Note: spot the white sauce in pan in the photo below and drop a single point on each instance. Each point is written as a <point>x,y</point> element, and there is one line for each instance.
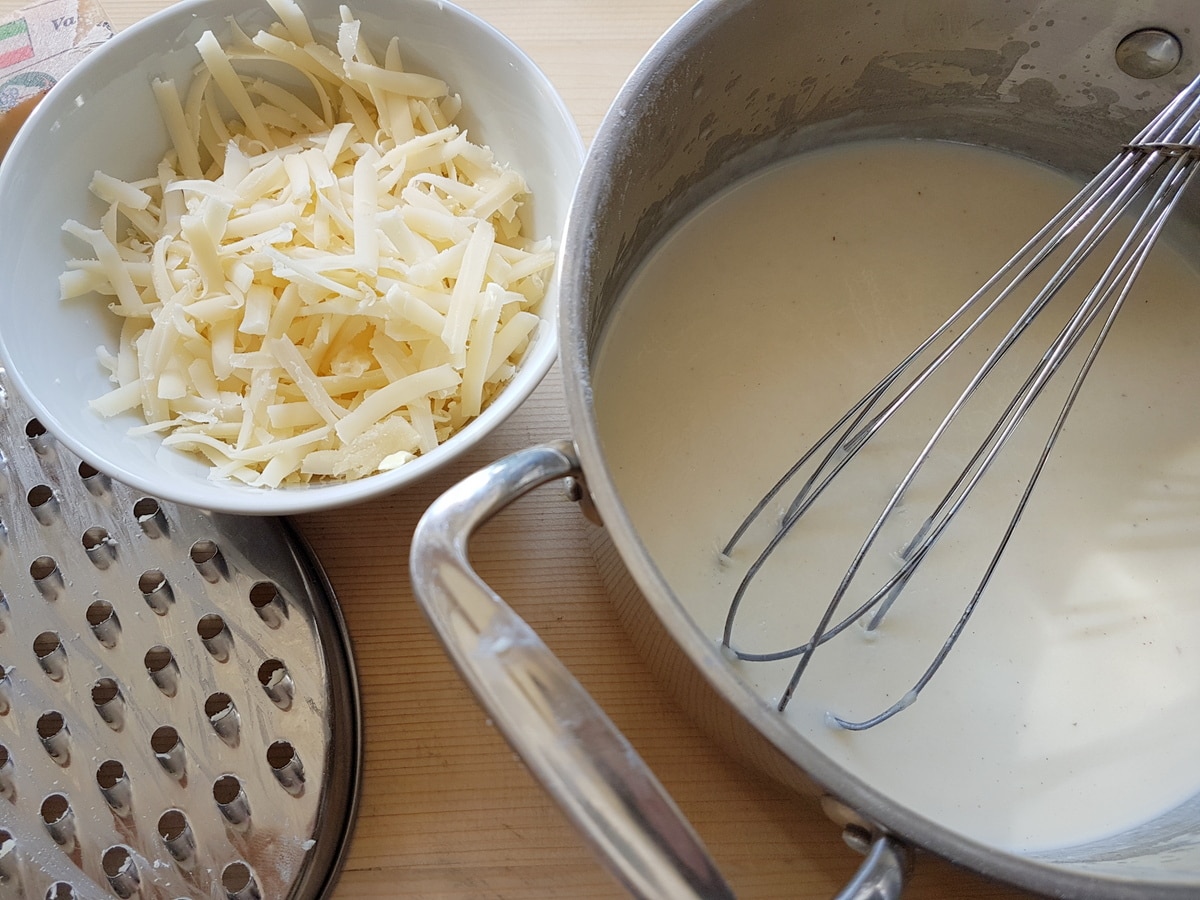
<point>1068,710</point>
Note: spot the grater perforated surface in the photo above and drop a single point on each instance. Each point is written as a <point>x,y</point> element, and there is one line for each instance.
<point>179,712</point>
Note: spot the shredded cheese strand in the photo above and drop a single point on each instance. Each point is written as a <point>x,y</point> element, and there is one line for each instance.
<point>311,292</point>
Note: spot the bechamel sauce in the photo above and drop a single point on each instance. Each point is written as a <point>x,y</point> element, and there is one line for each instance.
<point>1067,712</point>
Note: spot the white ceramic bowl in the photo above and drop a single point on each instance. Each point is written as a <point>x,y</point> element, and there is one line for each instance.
<point>103,116</point>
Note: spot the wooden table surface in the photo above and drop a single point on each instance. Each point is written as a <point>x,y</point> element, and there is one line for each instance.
<point>447,810</point>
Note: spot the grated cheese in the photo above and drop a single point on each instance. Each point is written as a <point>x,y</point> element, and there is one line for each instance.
<point>311,292</point>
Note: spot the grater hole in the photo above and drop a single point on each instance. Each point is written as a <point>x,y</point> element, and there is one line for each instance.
<point>45,645</point>
<point>95,482</point>
<point>53,732</point>
<point>60,890</point>
<point>172,824</point>
<point>114,787</point>
<point>223,716</point>
<point>209,562</point>
<point>39,438</point>
<point>204,551</point>
<point>47,578</point>
<point>286,767</point>
<point>164,740</point>
<point>43,567</point>
<point>55,808</point>
<point>105,691</point>
<point>145,508</point>
<point>168,750</point>
<point>280,754</point>
<point>6,690</point>
<point>232,802</point>
<point>7,787</point>
<point>59,819</point>
<point>100,612</point>
<point>226,789</point>
<point>51,725</point>
<point>10,860</point>
<point>95,538</point>
<point>117,863</point>
<point>39,496</point>
<point>217,705</point>
<point>156,591</point>
<point>150,517</point>
<point>271,671</point>
<point>110,773</point>
<point>238,880</point>
<point>177,837</point>
<point>152,580</point>
<point>115,860</point>
<point>210,626</point>
<point>158,658</point>
<point>263,593</point>
<point>106,696</point>
<point>236,876</point>
<point>277,682</point>
<point>162,669</point>
<point>216,637</point>
<point>99,546</point>
<point>267,601</point>
<point>51,655</point>
<point>105,625</point>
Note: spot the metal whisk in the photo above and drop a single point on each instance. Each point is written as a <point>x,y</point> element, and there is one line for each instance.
<point>1138,189</point>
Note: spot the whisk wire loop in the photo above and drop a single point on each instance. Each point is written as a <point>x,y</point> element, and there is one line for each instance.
<point>1120,285</point>
<point>1171,142</point>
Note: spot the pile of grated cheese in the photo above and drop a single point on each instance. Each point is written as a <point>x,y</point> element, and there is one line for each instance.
<point>311,290</point>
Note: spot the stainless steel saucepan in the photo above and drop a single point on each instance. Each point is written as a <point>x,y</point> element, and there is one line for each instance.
<point>734,86</point>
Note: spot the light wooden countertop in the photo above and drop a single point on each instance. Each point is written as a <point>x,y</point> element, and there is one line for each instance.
<point>447,810</point>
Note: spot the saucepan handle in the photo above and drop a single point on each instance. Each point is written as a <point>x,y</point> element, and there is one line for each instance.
<point>573,749</point>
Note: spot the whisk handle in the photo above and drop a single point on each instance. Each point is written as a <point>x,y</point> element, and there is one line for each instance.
<point>565,739</point>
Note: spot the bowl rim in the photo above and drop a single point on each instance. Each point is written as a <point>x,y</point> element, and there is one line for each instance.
<point>230,496</point>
